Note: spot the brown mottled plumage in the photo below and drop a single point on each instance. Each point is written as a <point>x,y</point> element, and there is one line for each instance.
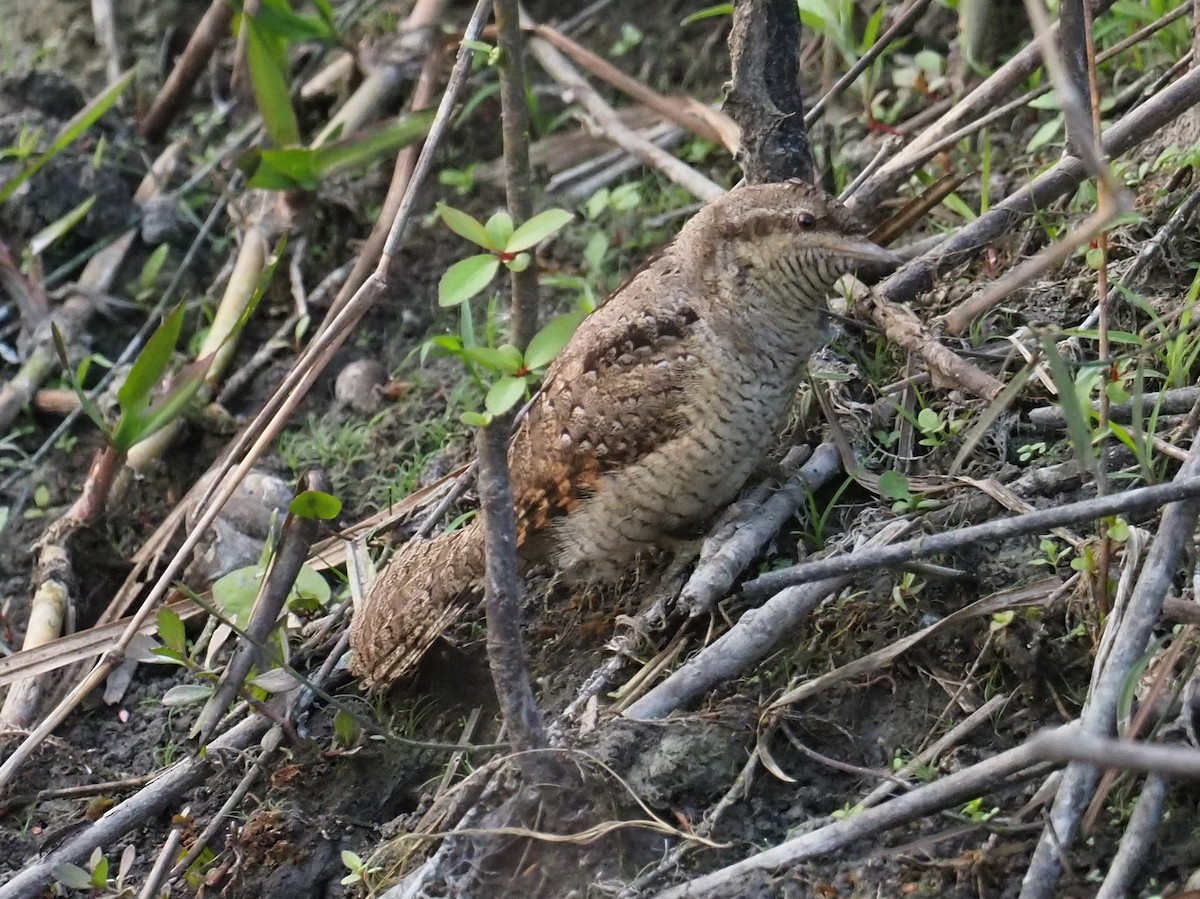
<point>653,416</point>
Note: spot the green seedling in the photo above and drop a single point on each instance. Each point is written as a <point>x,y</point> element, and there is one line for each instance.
<point>509,371</point>
<point>141,415</point>
<point>360,871</point>
<point>95,880</point>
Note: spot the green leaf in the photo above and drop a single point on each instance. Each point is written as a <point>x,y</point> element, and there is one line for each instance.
<point>1044,134</point>
<point>186,694</point>
<point>77,125</point>
<point>928,421</point>
<point>721,9</point>
<point>346,731</point>
<point>549,341</point>
<point>894,485</point>
<point>150,365</point>
<point>60,227</point>
<point>73,877</point>
<point>138,425</point>
<point>170,629</point>
<point>281,20</point>
<point>100,873</point>
<point>500,227</point>
<point>289,168</point>
<point>504,394</point>
<point>315,504</point>
<point>310,591</point>
<point>466,278</point>
<point>537,229</point>
<point>153,265</point>
<point>1068,400</point>
<point>277,680</point>
<point>266,55</point>
<point>170,655</point>
<point>505,359</point>
<point>466,226</point>
<point>476,419</point>
<point>364,147</point>
<point>235,593</point>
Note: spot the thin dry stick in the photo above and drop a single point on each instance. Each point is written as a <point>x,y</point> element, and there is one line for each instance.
<point>1064,176</point>
<point>959,319</point>
<point>1138,841</point>
<point>1132,755</point>
<point>191,64</point>
<point>1019,763</point>
<point>611,126</point>
<point>697,118</point>
<point>254,440</point>
<point>1184,487</point>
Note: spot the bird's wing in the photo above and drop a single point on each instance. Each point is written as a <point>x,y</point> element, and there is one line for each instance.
<point>617,392</point>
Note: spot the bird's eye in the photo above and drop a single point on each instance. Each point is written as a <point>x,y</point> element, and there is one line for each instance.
<point>806,220</point>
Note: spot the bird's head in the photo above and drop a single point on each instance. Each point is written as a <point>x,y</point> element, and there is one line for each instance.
<point>789,239</point>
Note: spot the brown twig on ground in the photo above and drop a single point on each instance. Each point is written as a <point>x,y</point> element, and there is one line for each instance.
<point>764,95</point>
<point>213,28</point>
<point>690,114</point>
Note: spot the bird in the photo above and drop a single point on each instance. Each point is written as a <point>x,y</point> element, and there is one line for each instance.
<point>665,400</point>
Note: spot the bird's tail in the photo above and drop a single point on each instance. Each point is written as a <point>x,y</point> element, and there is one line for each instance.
<point>420,593</point>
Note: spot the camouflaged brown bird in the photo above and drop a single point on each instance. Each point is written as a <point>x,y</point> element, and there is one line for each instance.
<point>650,420</point>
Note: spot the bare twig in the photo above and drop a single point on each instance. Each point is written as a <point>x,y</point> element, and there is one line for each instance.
<point>756,633</point>
<point>1183,488</point>
<point>213,28</point>
<point>609,123</point>
<point>1016,764</point>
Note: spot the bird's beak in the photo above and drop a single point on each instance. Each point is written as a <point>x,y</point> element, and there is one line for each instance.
<point>866,259</point>
<point>866,254</point>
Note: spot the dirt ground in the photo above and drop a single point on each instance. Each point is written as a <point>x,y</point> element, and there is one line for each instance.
<point>381,793</point>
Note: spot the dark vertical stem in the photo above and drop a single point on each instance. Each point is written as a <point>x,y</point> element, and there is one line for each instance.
<point>502,583</point>
<point>764,94</point>
<point>515,113</point>
<point>502,587</point>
